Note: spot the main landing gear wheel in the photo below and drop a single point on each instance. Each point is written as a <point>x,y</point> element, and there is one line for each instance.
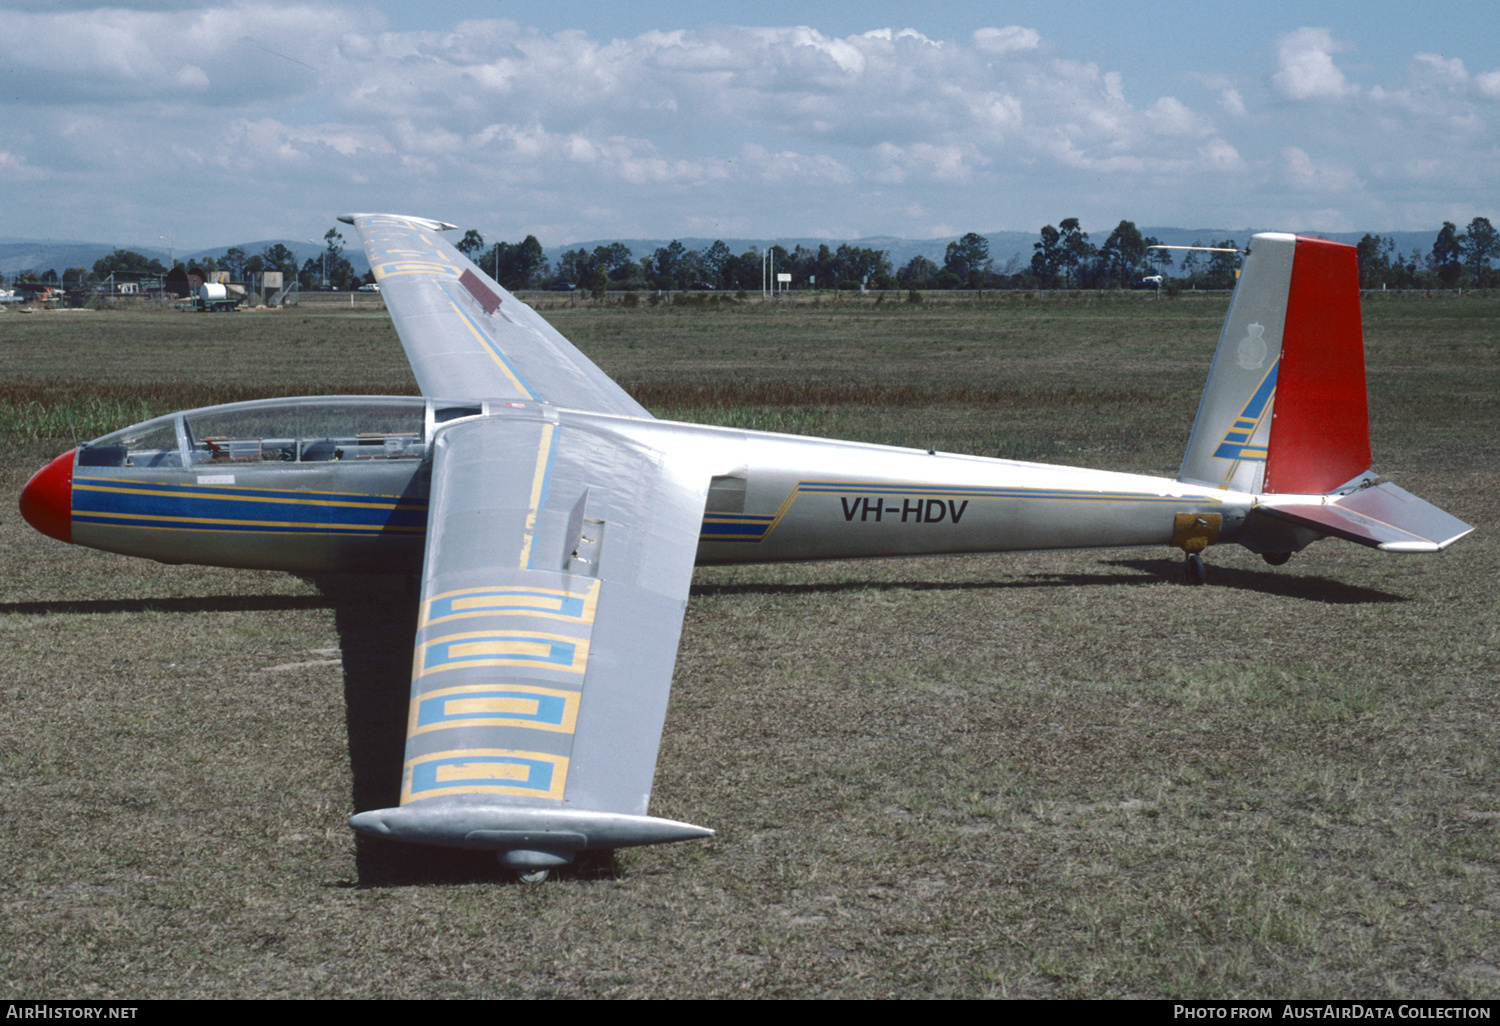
<point>1276,558</point>
<point>1196,572</point>
<point>532,876</point>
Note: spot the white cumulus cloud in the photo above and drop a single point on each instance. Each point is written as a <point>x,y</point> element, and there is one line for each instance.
<point>299,109</point>
<point>1305,67</point>
<point>1011,39</point>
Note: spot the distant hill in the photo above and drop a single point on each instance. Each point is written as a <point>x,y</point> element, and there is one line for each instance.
<point>20,255</point>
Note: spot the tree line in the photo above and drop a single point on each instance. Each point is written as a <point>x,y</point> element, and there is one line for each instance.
<point>1457,259</point>
<point>674,266</point>
<point>1062,257</point>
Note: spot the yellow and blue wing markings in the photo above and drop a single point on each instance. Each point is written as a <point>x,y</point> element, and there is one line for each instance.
<point>122,503</point>
<point>484,771</point>
<point>1237,444</point>
<point>541,482</point>
<point>513,600</point>
<point>532,649</point>
<point>412,265</point>
<point>394,261</point>
<point>494,705</point>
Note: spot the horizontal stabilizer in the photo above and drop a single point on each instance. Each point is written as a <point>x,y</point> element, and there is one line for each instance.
<point>505,827</point>
<point>1384,517</point>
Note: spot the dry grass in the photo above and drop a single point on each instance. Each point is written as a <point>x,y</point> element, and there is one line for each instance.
<point>1037,775</point>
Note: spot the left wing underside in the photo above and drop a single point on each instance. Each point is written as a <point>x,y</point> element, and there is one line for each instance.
<point>557,572</point>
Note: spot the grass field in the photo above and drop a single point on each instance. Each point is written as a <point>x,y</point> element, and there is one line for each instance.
<point>1055,774</point>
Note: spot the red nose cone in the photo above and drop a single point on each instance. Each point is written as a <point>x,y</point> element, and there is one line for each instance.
<point>47,499</point>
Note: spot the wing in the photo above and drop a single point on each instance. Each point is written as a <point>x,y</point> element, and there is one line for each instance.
<point>468,338</point>
<point>559,556</point>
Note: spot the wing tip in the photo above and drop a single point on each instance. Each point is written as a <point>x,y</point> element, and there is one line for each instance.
<point>502,828</point>
<point>421,222</point>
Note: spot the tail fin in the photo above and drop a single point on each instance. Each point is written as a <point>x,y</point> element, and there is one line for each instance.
<point>1285,415</point>
<point>1284,410</point>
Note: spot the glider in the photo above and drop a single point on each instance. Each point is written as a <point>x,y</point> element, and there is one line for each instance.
<point>555,524</point>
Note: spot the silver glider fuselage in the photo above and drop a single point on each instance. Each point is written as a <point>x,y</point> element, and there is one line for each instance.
<point>771,497</point>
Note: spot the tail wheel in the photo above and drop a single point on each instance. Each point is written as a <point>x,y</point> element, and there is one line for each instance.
<point>1196,572</point>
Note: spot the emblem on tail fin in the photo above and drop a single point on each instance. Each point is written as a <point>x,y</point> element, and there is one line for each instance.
<point>1251,352</point>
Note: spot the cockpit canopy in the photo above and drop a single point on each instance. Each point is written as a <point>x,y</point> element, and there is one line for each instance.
<point>317,429</point>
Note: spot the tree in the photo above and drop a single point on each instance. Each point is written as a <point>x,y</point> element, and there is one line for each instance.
<point>1446,258</point>
<point>521,266</point>
<point>471,243</point>
<point>127,260</point>
<point>801,264</point>
<point>966,257</point>
<point>233,261</point>
<point>1481,243</point>
<point>1373,257</point>
<point>716,260</point>
<point>1123,251</point>
<point>1222,265</point>
<point>1190,262</point>
<point>1046,262</point>
<point>1159,259</point>
<point>329,269</point>
<point>918,273</point>
<point>575,265</point>
<point>743,271</point>
<point>278,258</point>
<point>1075,246</point>
<point>667,265</point>
<point>860,263</point>
<point>615,260</point>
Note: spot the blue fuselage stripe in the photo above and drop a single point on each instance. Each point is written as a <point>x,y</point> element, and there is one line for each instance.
<point>216,511</point>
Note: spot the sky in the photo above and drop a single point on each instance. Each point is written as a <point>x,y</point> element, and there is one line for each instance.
<point>189,125</point>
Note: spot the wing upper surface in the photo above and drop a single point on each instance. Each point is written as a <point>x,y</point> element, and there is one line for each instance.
<point>468,338</point>
<point>557,571</point>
